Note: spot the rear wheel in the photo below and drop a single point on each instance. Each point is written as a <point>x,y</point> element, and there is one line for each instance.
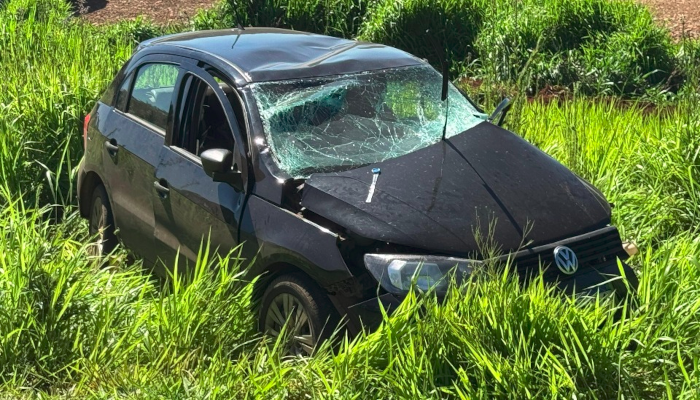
<point>300,304</point>
<point>101,223</point>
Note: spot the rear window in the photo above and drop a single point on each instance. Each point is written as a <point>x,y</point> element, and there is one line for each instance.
<point>153,92</point>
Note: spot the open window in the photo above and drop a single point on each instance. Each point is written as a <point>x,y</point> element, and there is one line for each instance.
<point>204,124</point>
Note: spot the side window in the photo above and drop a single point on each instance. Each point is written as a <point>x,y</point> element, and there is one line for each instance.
<point>204,124</point>
<point>152,93</point>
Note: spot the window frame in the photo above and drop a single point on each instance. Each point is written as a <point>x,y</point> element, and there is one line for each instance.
<point>109,97</point>
<point>183,109</point>
<point>129,74</point>
<point>134,74</point>
<point>129,81</point>
<point>244,125</point>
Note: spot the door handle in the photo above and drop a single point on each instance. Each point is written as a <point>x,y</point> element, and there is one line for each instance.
<point>162,188</point>
<point>111,146</point>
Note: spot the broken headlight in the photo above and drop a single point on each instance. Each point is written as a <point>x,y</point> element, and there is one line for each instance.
<point>397,273</point>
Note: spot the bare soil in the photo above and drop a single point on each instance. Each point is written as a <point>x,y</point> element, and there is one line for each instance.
<point>159,11</point>
<point>682,17</point>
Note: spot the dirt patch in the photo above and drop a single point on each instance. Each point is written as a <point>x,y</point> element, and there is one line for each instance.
<point>682,17</point>
<point>159,11</point>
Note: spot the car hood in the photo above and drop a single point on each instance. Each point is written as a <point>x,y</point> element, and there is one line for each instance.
<point>484,182</point>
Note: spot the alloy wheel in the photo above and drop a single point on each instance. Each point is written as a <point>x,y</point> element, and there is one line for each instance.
<point>287,309</point>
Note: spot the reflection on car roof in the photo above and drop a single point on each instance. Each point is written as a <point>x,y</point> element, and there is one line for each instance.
<point>269,54</point>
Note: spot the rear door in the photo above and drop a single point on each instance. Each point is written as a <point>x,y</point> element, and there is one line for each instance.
<point>190,208</point>
<point>136,132</point>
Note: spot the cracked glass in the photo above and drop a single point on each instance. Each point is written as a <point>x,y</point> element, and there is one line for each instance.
<point>338,123</point>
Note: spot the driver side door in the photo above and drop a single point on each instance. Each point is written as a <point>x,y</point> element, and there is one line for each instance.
<point>190,208</point>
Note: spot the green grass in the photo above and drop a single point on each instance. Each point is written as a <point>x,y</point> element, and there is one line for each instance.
<point>330,17</point>
<point>426,27</point>
<point>599,46</point>
<point>591,47</point>
<point>53,69</point>
<point>69,328</point>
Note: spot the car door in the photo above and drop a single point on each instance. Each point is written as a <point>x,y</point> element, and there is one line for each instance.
<point>190,208</point>
<point>136,133</point>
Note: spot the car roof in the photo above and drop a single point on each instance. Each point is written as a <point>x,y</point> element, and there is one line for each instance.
<point>270,54</point>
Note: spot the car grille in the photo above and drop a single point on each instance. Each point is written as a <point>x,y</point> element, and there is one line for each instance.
<point>592,249</point>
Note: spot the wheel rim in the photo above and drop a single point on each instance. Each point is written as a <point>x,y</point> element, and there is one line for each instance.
<point>286,307</point>
<point>97,226</point>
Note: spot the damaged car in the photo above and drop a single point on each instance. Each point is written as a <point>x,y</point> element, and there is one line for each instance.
<point>350,173</point>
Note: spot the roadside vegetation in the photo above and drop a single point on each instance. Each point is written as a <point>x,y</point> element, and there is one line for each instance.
<point>72,327</point>
<point>590,46</point>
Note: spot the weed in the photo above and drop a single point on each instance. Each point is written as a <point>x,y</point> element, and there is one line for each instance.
<point>69,328</point>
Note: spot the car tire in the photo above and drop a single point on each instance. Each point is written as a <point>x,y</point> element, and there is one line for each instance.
<point>101,223</point>
<point>297,298</point>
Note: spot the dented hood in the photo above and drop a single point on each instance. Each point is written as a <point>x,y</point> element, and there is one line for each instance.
<point>483,180</point>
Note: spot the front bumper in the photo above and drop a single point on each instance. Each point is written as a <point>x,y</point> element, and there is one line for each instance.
<point>597,251</point>
<point>601,279</point>
<point>370,313</point>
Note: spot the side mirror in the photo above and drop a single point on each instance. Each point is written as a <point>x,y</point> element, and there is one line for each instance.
<point>499,114</point>
<point>218,164</point>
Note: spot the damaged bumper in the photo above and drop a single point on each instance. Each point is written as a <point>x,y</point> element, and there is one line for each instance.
<point>602,280</point>
<point>598,272</point>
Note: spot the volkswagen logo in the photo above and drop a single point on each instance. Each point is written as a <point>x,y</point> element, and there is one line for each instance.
<point>566,260</point>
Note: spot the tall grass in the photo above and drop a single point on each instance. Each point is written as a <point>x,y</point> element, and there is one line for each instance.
<point>330,17</point>
<point>70,327</point>
<point>588,46</point>
<point>428,28</point>
<point>645,159</point>
<point>53,67</point>
<point>600,46</point>
<point>65,319</point>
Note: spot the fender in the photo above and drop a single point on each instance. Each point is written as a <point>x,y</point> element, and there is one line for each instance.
<point>273,235</point>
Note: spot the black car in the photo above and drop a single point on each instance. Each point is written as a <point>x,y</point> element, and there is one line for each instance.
<point>336,164</point>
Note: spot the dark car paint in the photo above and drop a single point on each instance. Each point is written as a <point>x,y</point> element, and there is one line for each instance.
<point>194,207</point>
<point>437,197</point>
<point>269,54</point>
<point>128,171</point>
<point>275,236</point>
<point>283,237</point>
<point>212,205</point>
<point>189,206</point>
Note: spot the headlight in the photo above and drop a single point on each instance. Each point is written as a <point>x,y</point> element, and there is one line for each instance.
<point>396,273</point>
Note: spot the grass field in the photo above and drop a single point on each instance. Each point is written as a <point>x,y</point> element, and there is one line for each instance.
<point>69,328</point>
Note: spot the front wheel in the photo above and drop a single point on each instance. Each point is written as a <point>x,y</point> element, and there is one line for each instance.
<point>300,304</point>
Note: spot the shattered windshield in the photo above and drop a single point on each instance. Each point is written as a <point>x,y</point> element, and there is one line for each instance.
<point>336,123</point>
